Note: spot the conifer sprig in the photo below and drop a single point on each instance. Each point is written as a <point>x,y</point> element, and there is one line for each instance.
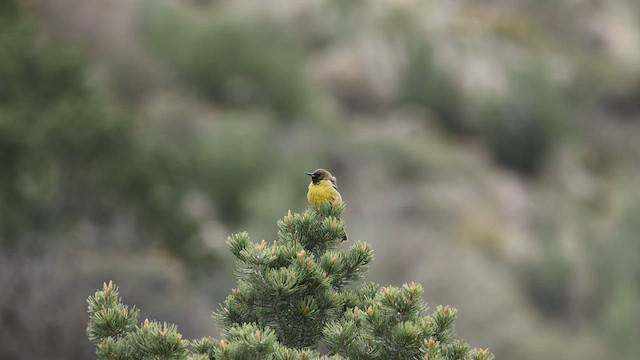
<point>108,316</point>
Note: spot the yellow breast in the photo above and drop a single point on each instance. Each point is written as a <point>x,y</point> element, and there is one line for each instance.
<point>321,193</point>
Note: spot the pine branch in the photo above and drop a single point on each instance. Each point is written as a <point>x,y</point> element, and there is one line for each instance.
<point>109,318</point>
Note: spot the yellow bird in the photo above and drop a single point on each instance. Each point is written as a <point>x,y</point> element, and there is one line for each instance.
<point>323,188</point>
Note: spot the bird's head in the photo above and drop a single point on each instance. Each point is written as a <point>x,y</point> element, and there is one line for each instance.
<point>321,174</point>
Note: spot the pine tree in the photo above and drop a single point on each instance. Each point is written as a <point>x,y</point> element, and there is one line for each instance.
<point>292,296</point>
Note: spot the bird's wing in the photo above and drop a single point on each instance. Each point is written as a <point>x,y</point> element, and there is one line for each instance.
<point>334,182</point>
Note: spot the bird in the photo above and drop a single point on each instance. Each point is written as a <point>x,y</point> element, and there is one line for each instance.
<point>323,188</point>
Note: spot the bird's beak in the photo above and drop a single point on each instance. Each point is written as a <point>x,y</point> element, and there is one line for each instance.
<point>310,174</point>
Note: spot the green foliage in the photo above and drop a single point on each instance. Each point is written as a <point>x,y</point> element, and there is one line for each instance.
<point>162,340</point>
<point>291,285</point>
<point>552,280</point>
<point>621,319</point>
<point>109,317</point>
<point>113,331</point>
<point>523,128</point>
<point>618,268</point>
<point>112,327</point>
<point>9,10</point>
<point>229,60</point>
<point>615,90</point>
<point>232,159</point>
<point>291,297</point>
<point>65,158</point>
<point>42,97</point>
<point>547,282</point>
<point>424,82</point>
<point>394,325</point>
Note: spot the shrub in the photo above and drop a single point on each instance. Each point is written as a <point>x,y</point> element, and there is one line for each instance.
<point>231,61</point>
<point>292,295</point>
<point>523,128</point>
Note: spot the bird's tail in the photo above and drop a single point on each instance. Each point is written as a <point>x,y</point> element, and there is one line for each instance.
<point>344,237</point>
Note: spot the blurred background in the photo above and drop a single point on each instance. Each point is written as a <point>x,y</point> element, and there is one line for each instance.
<point>489,150</point>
